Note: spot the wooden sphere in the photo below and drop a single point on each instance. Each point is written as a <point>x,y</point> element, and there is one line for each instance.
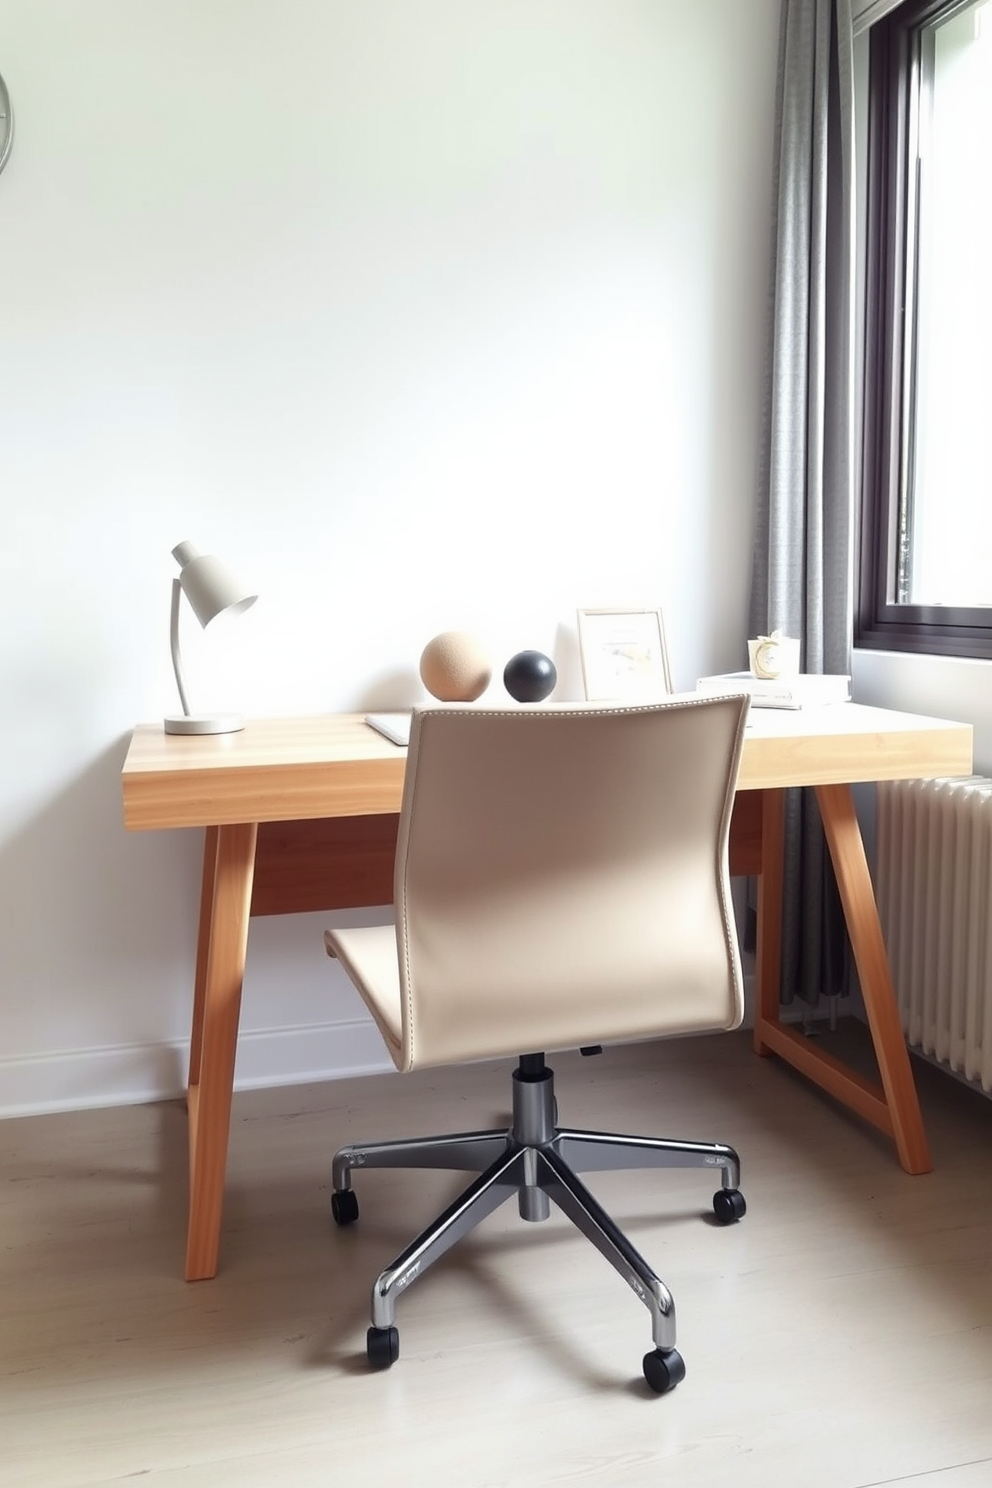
<point>454,667</point>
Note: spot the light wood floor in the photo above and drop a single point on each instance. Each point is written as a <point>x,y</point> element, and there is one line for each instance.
<point>840,1336</point>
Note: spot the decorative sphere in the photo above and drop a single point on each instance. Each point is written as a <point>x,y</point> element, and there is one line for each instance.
<point>529,676</point>
<point>454,667</point>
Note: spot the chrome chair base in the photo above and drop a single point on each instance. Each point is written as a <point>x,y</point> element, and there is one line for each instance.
<point>539,1162</point>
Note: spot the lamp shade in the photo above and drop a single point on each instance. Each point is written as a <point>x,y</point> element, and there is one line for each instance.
<point>210,588</point>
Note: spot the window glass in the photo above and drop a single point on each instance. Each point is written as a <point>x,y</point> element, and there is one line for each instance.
<point>949,491</point>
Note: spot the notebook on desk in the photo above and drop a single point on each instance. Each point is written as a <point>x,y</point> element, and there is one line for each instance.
<point>393,726</point>
<point>806,690</point>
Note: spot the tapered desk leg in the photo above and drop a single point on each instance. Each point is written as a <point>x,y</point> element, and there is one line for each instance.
<point>229,863</point>
<point>840,824</point>
<point>202,953</point>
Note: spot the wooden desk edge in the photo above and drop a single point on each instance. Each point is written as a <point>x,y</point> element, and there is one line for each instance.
<point>252,785</point>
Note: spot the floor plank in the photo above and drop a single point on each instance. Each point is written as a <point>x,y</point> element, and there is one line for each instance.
<point>840,1336</point>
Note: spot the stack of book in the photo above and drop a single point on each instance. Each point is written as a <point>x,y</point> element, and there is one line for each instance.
<point>805,690</point>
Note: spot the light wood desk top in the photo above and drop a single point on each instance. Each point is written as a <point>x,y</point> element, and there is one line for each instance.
<point>300,814</point>
<point>286,769</point>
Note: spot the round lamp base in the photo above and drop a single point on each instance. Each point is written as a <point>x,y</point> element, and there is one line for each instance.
<point>219,723</point>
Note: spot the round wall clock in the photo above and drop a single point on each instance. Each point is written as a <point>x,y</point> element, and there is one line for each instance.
<point>6,124</point>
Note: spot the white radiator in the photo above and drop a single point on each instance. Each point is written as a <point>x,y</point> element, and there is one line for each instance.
<point>934,890</point>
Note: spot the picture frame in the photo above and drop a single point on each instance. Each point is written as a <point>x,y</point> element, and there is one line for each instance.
<point>624,655</point>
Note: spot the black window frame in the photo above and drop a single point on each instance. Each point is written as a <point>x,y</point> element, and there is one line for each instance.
<point>881,620</point>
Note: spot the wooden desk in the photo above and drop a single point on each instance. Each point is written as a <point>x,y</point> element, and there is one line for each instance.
<point>300,814</point>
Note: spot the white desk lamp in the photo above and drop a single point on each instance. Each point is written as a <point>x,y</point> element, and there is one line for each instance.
<point>211,590</point>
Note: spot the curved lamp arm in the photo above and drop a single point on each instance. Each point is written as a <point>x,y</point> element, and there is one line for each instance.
<point>177,664</point>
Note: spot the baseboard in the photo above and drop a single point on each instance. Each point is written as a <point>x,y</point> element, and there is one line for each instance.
<point>132,1074</point>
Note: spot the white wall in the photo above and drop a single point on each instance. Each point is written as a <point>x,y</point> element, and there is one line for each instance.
<point>938,686</point>
<point>421,313</point>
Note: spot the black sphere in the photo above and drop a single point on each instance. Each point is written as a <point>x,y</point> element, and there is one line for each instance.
<point>529,676</point>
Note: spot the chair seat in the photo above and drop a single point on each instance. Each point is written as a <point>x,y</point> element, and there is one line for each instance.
<point>368,955</point>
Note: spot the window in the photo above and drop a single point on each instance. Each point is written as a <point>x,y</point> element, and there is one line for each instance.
<point>925,560</point>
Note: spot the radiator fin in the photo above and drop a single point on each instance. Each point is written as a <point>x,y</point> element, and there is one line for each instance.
<point>934,889</point>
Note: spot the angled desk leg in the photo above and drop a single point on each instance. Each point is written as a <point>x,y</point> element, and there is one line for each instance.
<point>225,902</point>
<point>893,1107</point>
<point>905,1121</point>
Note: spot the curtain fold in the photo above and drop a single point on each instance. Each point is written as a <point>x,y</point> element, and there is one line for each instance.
<point>802,578</point>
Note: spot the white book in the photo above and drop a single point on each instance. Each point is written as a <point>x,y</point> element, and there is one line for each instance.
<point>807,690</point>
<point>393,726</point>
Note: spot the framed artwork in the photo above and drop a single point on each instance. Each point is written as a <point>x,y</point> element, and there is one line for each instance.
<point>624,655</point>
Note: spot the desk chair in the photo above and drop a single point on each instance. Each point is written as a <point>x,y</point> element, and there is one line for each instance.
<point>561,882</point>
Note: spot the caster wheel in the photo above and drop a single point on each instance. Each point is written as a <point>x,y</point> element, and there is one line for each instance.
<point>382,1346</point>
<point>729,1206</point>
<point>344,1207</point>
<point>664,1370</point>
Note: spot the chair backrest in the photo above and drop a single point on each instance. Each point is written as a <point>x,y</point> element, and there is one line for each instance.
<point>561,876</point>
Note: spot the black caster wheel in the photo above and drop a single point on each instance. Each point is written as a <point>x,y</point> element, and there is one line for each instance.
<point>729,1206</point>
<point>344,1206</point>
<point>664,1369</point>
<point>382,1346</point>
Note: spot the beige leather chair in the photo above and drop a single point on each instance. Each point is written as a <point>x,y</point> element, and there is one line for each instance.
<point>561,882</point>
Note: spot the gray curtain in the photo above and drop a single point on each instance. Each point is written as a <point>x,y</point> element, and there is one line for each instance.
<point>803,566</point>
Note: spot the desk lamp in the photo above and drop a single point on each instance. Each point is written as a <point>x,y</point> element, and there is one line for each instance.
<point>211,590</point>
